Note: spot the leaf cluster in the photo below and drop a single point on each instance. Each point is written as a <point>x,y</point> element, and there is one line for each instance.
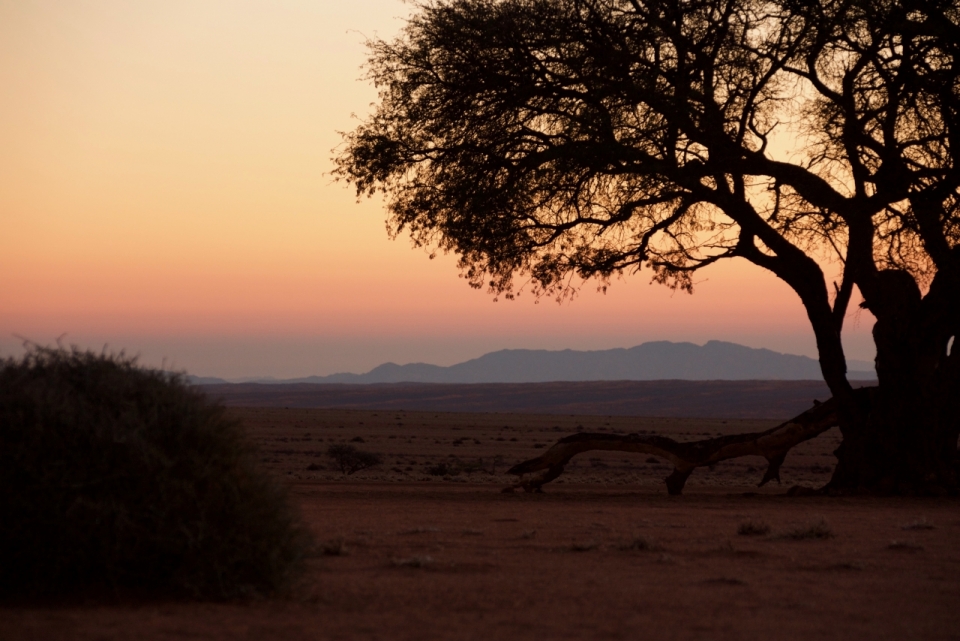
<point>562,139</point>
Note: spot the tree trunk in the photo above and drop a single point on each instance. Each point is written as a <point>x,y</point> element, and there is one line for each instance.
<point>900,437</point>
<point>905,438</point>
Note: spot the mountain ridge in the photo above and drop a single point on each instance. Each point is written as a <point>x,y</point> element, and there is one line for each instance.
<point>655,360</point>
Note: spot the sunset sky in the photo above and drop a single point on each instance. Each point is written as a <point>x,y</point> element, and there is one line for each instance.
<point>165,189</point>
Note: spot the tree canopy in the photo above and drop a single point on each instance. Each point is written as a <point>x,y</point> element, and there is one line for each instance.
<point>550,140</point>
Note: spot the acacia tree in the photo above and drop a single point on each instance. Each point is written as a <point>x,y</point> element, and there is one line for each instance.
<point>550,141</point>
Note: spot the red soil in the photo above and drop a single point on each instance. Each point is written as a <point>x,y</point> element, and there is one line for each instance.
<point>607,554</point>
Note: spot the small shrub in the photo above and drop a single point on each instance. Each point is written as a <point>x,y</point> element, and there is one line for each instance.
<point>414,562</point>
<point>118,477</point>
<point>640,544</point>
<point>442,469</point>
<point>753,528</point>
<point>587,546</point>
<point>818,530</point>
<point>725,580</point>
<point>454,466</point>
<point>497,460</point>
<point>905,546</point>
<point>726,548</point>
<point>351,460</point>
<point>333,547</point>
<point>471,467</point>
<point>419,530</point>
<point>847,566</point>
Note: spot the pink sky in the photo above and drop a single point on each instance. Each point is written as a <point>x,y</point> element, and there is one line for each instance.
<point>166,190</point>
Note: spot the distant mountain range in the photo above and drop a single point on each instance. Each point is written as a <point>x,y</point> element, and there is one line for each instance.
<point>659,360</point>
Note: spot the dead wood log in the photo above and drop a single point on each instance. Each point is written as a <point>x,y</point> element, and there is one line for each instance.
<point>772,444</point>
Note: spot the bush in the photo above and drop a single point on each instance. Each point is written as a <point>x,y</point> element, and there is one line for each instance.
<point>753,528</point>
<point>442,469</point>
<point>453,466</point>
<point>818,530</point>
<point>640,544</point>
<point>113,476</point>
<point>350,459</point>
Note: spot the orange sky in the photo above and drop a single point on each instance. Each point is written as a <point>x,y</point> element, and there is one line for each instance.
<point>165,189</point>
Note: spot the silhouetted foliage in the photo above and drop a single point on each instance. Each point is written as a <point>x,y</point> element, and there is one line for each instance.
<point>115,477</point>
<point>546,141</point>
<point>351,460</point>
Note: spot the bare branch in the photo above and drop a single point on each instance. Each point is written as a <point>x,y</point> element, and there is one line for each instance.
<point>773,445</point>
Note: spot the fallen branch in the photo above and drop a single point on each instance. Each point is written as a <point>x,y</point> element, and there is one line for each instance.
<point>772,444</point>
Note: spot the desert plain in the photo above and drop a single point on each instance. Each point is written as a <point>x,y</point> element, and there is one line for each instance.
<point>426,545</point>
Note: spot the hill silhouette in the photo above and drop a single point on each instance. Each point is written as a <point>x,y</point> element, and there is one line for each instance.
<point>659,360</point>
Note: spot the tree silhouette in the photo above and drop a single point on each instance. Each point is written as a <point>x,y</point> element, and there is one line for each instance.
<point>547,141</point>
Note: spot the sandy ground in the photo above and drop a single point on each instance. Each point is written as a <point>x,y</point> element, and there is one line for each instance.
<point>411,553</point>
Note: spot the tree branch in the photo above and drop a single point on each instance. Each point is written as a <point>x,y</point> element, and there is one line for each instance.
<point>772,444</point>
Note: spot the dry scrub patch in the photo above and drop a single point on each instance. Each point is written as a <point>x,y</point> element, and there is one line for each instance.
<point>479,448</point>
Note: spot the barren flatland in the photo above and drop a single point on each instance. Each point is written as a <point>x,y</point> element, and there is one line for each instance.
<point>425,545</point>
